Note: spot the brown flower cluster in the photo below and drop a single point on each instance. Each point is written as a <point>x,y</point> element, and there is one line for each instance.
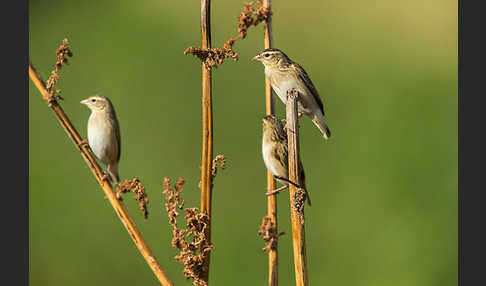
<point>250,16</point>
<point>138,189</point>
<point>213,57</point>
<point>221,159</point>
<point>269,234</point>
<point>62,51</point>
<point>192,242</point>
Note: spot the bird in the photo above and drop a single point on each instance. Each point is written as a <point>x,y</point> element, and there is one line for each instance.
<point>104,134</point>
<point>275,154</point>
<point>284,75</point>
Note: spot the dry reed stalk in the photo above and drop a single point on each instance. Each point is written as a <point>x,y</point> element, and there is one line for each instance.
<point>207,132</point>
<point>117,205</point>
<point>271,200</point>
<point>297,195</point>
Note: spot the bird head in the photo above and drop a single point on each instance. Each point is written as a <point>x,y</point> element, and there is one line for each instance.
<point>97,103</point>
<point>273,129</point>
<point>271,57</point>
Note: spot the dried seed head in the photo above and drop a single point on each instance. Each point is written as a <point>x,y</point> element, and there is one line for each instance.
<point>192,242</point>
<point>269,234</point>
<point>221,159</point>
<point>61,52</point>
<point>138,189</point>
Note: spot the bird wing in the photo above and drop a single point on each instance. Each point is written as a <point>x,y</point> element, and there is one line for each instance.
<point>116,126</point>
<point>302,75</point>
<point>118,139</point>
<point>282,155</point>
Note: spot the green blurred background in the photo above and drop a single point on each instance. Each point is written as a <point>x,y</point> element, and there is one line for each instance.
<point>384,188</point>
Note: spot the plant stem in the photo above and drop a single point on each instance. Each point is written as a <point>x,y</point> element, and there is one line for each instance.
<point>207,128</point>
<point>96,170</point>
<point>296,204</point>
<point>271,200</point>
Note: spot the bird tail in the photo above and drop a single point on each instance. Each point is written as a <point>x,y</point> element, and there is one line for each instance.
<point>308,197</point>
<point>113,172</point>
<point>319,121</point>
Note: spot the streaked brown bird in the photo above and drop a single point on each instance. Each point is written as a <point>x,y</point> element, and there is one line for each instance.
<point>104,134</point>
<point>285,74</point>
<point>275,154</point>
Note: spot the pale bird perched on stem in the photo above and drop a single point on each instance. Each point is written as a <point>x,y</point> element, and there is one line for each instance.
<point>104,134</point>
<point>284,74</point>
<point>275,154</point>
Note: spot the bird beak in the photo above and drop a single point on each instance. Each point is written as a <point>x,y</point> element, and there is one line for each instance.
<point>85,102</point>
<point>257,58</point>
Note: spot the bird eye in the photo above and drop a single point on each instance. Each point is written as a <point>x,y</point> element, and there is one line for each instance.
<point>93,100</point>
<point>266,55</point>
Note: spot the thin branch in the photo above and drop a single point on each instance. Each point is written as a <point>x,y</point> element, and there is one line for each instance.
<point>96,170</point>
<point>297,195</point>
<point>271,200</point>
<point>207,134</point>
